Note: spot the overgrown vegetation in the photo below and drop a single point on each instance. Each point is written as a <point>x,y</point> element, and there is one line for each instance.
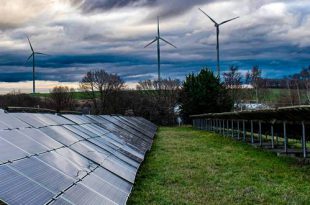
<point>187,166</point>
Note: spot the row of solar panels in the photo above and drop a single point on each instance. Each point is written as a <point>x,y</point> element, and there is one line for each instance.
<point>70,159</point>
<point>294,113</point>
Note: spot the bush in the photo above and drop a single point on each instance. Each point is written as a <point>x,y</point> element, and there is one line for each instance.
<point>18,99</point>
<point>61,98</point>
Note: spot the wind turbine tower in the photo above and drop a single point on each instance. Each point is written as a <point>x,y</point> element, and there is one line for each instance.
<point>157,39</point>
<point>217,26</point>
<point>33,54</point>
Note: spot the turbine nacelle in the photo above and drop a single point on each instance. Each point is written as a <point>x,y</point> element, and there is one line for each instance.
<point>215,23</point>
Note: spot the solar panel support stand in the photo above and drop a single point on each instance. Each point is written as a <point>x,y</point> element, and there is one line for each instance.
<point>203,124</point>
<point>272,137</point>
<point>260,133</point>
<point>209,125</point>
<point>223,127</point>
<point>232,129</point>
<point>285,136</point>
<point>220,127</point>
<point>252,136</point>
<point>227,133</point>
<point>304,142</point>
<point>244,133</point>
<point>214,126</point>
<point>238,127</point>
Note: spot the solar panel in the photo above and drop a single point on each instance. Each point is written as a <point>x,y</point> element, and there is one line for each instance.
<point>41,138</point>
<point>64,165</point>
<point>70,159</point>
<point>21,141</point>
<point>9,152</point>
<point>18,189</point>
<point>29,119</point>
<point>42,173</point>
<point>106,189</point>
<point>110,177</point>
<point>80,194</point>
<point>134,127</point>
<point>11,122</point>
<point>61,135</point>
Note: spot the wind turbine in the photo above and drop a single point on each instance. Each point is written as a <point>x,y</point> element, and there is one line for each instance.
<point>33,65</point>
<point>217,26</point>
<point>157,39</point>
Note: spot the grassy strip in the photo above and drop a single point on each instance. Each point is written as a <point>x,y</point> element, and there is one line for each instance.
<point>187,166</point>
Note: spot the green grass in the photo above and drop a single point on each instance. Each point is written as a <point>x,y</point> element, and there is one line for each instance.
<point>187,166</point>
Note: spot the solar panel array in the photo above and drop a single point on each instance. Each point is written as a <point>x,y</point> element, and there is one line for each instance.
<point>70,159</point>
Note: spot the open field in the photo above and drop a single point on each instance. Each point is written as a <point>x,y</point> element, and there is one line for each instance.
<point>187,166</point>
<point>269,95</point>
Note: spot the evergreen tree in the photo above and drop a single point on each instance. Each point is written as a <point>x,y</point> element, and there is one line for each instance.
<point>203,93</point>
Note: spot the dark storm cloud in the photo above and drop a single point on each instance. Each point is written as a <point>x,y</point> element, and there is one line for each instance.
<point>102,5</point>
<point>163,8</point>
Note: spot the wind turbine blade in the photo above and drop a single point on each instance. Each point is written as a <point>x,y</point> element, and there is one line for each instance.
<point>39,53</point>
<point>158,26</point>
<point>228,20</point>
<point>208,16</point>
<point>30,44</point>
<point>29,57</point>
<point>168,42</point>
<point>151,43</point>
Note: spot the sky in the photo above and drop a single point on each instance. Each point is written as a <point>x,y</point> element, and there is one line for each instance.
<point>83,35</point>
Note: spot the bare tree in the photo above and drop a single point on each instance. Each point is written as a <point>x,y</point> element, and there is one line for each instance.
<point>159,104</point>
<point>232,81</point>
<point>254,78</point>
<point>107,85</point>
<point>305,77</point>
<point>87,85</point>
<point>61,98</point>
<point>296,80</point>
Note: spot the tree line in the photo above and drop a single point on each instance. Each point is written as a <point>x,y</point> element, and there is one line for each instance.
<point>293,89</point>
<point>103,93</point>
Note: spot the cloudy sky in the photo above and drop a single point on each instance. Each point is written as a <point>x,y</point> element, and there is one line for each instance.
<point>80,35</point>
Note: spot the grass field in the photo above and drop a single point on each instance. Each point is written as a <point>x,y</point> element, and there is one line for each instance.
<point>187,166</point>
